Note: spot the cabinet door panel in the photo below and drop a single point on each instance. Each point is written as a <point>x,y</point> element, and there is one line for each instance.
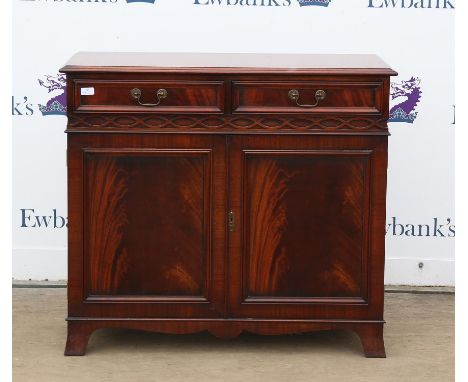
<point>148,225</point>
<point>304,217</point>
<point>304,206</point>
<point>147,222</point>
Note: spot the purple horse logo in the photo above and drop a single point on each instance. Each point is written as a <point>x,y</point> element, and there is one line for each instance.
<point>405,97</point>
<point>57,105</point>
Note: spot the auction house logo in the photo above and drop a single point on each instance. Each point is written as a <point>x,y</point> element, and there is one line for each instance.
<point>417,4</point>
<point>31,219</point>
<point>74,1</point>
<point>264,3</point>
<point>405,97</point>
<point>435,228</point>
<point>57,99</point>
<point>320,3</point>
<point>54,103</point>
<point>92,1</point>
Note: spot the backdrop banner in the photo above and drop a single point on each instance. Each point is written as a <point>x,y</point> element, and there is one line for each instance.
<point>415,37</point>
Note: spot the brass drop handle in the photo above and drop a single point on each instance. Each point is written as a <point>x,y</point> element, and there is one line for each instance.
<point>320,95</point>
<point>136,94</point>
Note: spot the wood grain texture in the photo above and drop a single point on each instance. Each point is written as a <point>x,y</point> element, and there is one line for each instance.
<point>182,96</point>
<point>341,97</point>
<point>370,332</point>
<point>311,238</point>
<point>145,238</point>
<point>304,219</point>
<point>108,216</point>
<point>225,63</point>
<point>150,190</point>
<point>245,124</point>
<point>135,245</point>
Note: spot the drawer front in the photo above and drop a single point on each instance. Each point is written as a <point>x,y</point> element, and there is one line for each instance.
<point>308,97</point>
<point>149,96</point>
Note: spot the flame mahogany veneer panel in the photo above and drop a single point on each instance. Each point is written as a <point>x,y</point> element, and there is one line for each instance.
<point>305,215</point>
<point>145,239</point>
<point>147,222</point>
<point>312,222</point>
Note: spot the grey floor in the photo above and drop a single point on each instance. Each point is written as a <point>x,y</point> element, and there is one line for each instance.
<point>419,338</point>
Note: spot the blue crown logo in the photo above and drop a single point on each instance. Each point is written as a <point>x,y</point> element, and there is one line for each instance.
<point>54,108</point>
<point>320,3</point>
<point>399,115</point>
<point>141,1</point>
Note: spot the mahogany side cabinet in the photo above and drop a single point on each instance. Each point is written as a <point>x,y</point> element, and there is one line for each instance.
<point>226,193</point>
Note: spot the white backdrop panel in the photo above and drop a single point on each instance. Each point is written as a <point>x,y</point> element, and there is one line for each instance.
<point>417,42</point>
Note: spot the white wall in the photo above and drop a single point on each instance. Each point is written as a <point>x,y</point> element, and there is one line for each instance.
<point>417,42</point>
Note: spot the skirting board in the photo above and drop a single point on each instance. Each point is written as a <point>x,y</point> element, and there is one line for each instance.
<point>51,264</point>
<point>32,284</point>
<point>407,271</point>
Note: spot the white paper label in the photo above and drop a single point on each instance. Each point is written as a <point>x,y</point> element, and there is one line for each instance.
<point>87,91</point>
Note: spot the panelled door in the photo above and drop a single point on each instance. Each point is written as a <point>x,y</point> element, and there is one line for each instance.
<point>301,224</point>
<point>150,212</point>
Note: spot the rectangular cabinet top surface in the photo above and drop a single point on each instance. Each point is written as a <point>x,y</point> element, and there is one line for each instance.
<point>242,63</point>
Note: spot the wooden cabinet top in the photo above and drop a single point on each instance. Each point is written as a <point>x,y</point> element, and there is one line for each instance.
<point>235,63</point>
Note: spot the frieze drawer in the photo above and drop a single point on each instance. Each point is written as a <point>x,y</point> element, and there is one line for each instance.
<point>140,96</point>
<point>308,97</point>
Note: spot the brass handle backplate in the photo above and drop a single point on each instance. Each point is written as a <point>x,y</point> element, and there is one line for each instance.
<point>160,94</point>
<point>320,95</point>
